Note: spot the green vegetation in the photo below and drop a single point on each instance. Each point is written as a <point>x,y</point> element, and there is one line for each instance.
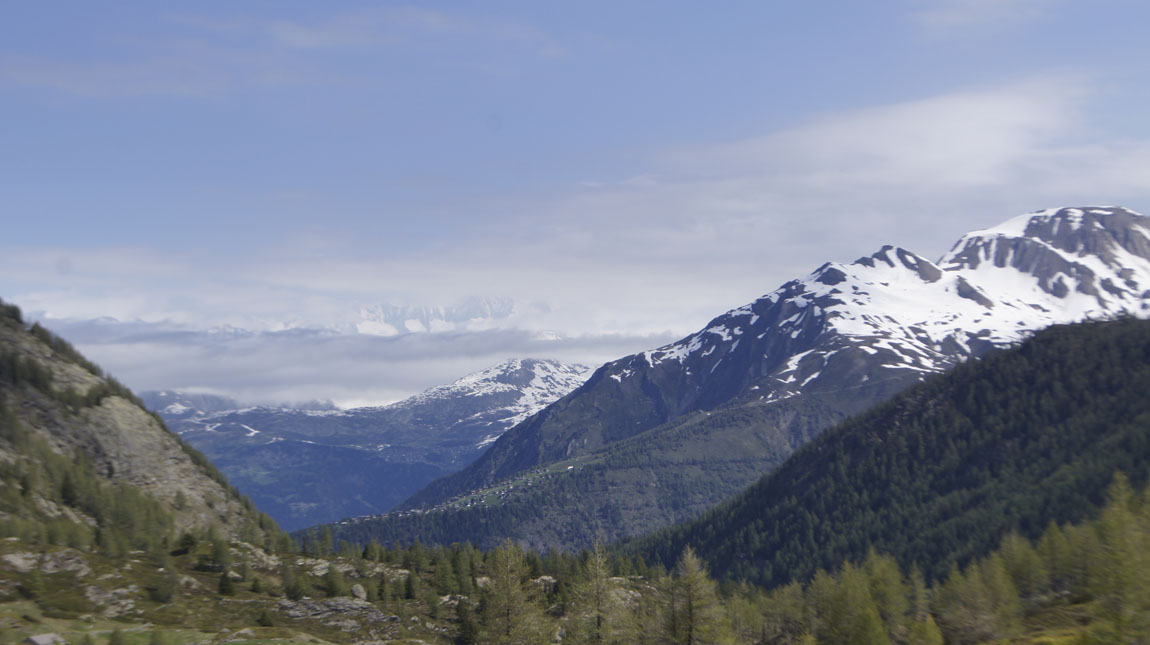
<point>980,507</point>
<point>938,475</point>
<point>124,518</point>
<point>665,475</point>
<point>1076,584</point>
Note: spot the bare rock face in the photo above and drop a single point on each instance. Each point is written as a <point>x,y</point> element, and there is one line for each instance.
<point>115,602</point>
<point>350,615</point>
<point>66,561</point>
<point>119,438</point>
<point>358,592</point>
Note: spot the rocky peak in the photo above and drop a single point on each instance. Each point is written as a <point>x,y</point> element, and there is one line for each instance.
<point>1091,257</point>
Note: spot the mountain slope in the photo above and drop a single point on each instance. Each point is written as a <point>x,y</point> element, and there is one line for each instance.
<point>941,472</point>
<point>887,319</point>
<point>306,466</point>
<point>78,447</point>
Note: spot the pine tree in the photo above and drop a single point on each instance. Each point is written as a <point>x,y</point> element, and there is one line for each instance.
<point>325,541</point>
<point>468,633</point>
<point>1025,566</point>
<point>694,614</point>
<point>411,586</point>
<point>1117,575</point>
<point>596,614</point>
<point>853,618</point>
<point>784,614</point>
<point>1057,557</point>
<point>444,576</point>
<point>33,586</point>
<point>510,613</point>
<point>226,586</point>
<point>925,632</point>
<point>334,583</point>
<point>295,584</point>
<point>888,592</point>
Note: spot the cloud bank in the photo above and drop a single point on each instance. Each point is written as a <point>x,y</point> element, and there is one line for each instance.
<point>598,270</point>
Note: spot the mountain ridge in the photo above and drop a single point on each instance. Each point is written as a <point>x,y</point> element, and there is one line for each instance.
<point>310,466</point>
<point>939,474</point>
<point>892,315</point>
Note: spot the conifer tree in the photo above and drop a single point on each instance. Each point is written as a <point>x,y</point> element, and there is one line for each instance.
<point>1025,566</point>
<point>444,577</point>
<point>1117,577</point>
<point>411,586</point>
<point>1054,549</point>
<point>468,633</point>
<point>226,587</point>
<point>784,614</point>
<point>924,632</point>
<point>888,592</point>
<point>334,583</point>
<point>853,618</point>
<point>694,614</point>
<point>596,614</point>
<point>510,613</point>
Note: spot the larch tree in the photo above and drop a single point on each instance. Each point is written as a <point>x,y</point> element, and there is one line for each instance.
<point>695,615</point>
<point>597,613</point>
<point>510,614</point>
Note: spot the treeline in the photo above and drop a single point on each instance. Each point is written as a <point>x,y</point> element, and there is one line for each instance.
<point>1084,583</point>
<point>938,475</point>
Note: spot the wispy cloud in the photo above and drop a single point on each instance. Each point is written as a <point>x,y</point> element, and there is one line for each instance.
<point>308,364</point>
<point>210,56</point>
<point>391,25</point>
<point>950,14</point>
<point>615,266</point>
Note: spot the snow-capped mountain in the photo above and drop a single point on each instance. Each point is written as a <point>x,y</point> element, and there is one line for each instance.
<point>390,319</point>
<point>182,405</point>
<point>894,311</point>
<point>855,332</point>
<point>501,396</point>
<point>309,465</point>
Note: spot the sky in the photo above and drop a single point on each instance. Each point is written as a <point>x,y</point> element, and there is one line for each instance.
<point>353,201</point>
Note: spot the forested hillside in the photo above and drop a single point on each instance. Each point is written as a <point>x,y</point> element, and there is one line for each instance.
<point>937,476</point>
<point>666,475</point>
<point>885,529</point>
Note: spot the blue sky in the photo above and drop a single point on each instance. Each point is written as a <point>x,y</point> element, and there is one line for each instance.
<point>252,198</point>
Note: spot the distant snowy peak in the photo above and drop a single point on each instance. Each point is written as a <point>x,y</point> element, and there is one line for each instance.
<point>174,404</point>
<point>392,320</point>
<point>894,314</point>
<point>527,377</point>
<point>513,390</point>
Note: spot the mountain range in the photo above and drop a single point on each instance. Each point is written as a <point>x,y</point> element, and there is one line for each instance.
<point>660,436</point>
<point>1011,442</point>
<point>310,465</point>
<point>110,519</point>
